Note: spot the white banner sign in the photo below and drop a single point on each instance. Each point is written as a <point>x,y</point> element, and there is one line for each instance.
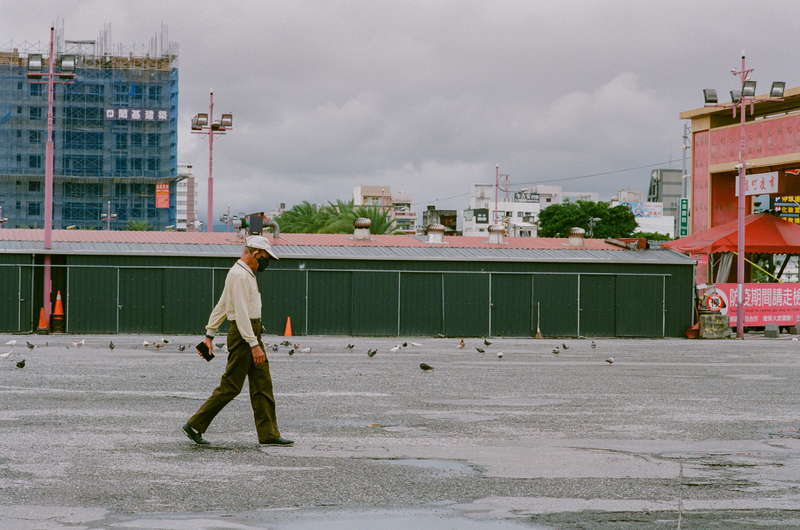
<point>760,184</point>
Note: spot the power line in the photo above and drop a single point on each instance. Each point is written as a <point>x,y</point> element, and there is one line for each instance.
<point>563,179</point>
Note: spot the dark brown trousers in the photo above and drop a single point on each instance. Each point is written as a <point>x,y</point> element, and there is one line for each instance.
<point>241,365</point>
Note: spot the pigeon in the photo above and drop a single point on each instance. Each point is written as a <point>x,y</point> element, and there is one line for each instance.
<point>416,344</point>
<point>350,347</point>
<point>499,355</point>
<point>274,347</point>
<point>30,346</point>
<point>291,352</point>
<point>111,345</point>
<point>564,345</point>
<point>6,354</point>
<point>145,344</point>
<point>158,345</point>
<point>79,344</point>
<point>371,353</point>
<point>395,349</point>
<point>181,347</point>
<point>480,350</point>
<point>610,360</point>
<point>405,344</point>
<point>306,350</point>
<point>296,346</point>
<point>21,364</point>
<point>486,342</point>
<point>12,342</point>
<point>426,367</point>
<point>165,341</point>
<point>594,346</point>
<point>556,350</point>
<point>461,345</point>
<point>286,344</point>
<point>219,344</point>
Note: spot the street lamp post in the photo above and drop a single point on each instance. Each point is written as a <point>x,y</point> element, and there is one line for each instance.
<point>65,75</point>
<point>109,216</point>
<point>204,124</point>
<point>740,98</point>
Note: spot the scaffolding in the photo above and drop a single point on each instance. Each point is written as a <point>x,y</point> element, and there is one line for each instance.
<point>114,132</point>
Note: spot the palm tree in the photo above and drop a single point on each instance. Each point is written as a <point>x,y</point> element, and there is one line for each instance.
<point>139,225</point>
<point>304,218</point>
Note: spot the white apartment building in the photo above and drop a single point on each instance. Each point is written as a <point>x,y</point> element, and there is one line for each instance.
<point>518,210</point>
<point>398,206</point>
<point>186,200</point>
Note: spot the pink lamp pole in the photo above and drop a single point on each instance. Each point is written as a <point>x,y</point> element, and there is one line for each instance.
<point>66,74</point>
<point>204,124</point>
<point>497,176</point>
<point>741,98</point>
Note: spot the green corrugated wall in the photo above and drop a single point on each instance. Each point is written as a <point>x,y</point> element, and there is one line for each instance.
<point>174,295</point>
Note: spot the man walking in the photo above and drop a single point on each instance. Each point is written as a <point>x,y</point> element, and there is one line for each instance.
<point>240,303</point>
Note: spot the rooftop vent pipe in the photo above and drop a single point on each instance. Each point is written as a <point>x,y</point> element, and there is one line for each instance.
<point>361,232</point>
<point>576,237</point>
<point>497,234</point>
<point>435,233</point>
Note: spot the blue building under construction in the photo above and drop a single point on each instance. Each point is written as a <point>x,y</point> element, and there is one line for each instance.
<point>115,134</point>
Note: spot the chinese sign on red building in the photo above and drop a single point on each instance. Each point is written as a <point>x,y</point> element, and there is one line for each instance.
<point>162,195</point>
<point>764,303</point>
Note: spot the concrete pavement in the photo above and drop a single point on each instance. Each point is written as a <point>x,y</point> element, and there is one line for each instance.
<point>675,432</point>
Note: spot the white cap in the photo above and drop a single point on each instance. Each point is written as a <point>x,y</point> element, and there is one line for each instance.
<point>262,243</point>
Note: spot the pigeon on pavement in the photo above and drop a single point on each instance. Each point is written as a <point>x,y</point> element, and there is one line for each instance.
<point>306,350</point>
<point>425,367</point>
<point>30,346</point>
<point>461,344</point>
<point>371,353</point>
<point>145,344</point>
<point>111,345</point>
<point>291,352</point>
<point>480,350</point>
<point>21,364</point>
<point>594,346</point>
<point>6,354</point>
<point>12,342</point>
<point>165,341</point>
<point>556,350</point>
<point>395,349</point>
<point>610,360</point>
<point>499,355</point>
<point>79,344</point>
<point>350,347</point>
<point>181,347</point>
<point>274,347</point>
<point>564,345</point>
<point>286,344</point>
<point>416,344</point>
<point>486,342</point>
<point>219,344</point>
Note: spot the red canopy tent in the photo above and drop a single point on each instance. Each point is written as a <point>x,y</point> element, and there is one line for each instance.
<point>763,234</point>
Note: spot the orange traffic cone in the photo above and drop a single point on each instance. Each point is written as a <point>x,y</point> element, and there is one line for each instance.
<point>58,320</point>
<point>288,332</point>
<point>42,323</point>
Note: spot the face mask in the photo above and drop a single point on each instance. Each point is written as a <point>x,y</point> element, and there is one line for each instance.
<point>262,263</point>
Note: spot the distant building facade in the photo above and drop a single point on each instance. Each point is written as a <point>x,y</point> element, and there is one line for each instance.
<point>446,218</point>
<point>398,207</point>
<point>115,134</point>
<point>186,200</point>
<point>666,186</point>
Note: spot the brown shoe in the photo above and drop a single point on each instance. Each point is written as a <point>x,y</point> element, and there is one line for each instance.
<point>194,435</point>
<point>282,442</point>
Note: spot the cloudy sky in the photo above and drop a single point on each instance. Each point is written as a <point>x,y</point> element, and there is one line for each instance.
<point>429,96</point>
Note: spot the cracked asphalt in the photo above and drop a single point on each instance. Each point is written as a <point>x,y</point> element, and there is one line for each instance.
<point>675,434</point>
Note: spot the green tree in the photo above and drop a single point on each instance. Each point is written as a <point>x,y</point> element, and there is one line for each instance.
<point>139,226</point>
<point>556,220</point>
<point>654,236</point>
<point>304,218</point>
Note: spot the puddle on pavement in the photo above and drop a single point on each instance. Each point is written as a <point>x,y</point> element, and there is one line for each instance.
<point>441,467</point>
<point>398,521</point>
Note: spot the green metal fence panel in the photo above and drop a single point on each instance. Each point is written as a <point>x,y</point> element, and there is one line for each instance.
<point>91,300</point>
<point>597,295</point>
<point>512,314</point>
<point>187,300</point>
<point>557,295</point>
<point>639,311</point>
<point>420,303</point>
<point>28,300</point>
<point>10,295</point>
<point>283,295</point>
<point>140,299</point>
<point>375,303</point>
<point>329,302</point>
<point>466,304</point>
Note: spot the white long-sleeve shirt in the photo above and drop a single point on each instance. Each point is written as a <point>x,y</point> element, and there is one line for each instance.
<point>240,302</point>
